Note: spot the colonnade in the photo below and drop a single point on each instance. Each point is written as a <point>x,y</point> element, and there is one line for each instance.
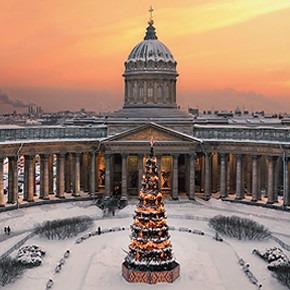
<point>205,172</point>
<point>66,179</point>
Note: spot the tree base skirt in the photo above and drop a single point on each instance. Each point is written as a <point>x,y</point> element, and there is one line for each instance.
<point>137,276</point>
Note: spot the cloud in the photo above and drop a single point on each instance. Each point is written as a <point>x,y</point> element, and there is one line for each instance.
<point>16,103</point>
<point>229,99</point>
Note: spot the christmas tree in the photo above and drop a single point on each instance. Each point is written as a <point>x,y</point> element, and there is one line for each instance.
<point>150,249</point>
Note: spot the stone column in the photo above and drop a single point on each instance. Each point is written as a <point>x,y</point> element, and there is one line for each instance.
<point>34,176</point>
<point>124,191</point>
<point>259,194</point>
<point>276,177</point>
<point>108,176</point>
<point>31,181</point>
<point>191,194</point>
<point>60,175</point>
<point>12,180</point>
<point>76,171</point>
<point>44,176</point>
<point>270,180</point>
<point>239,190</point>
<point>223,189</point>
<point>92,173</point>
<point>214,175</point>
<point>25,193</point>
<point>158,163</point>
<point>68,173</point>
<point>175,177</point>
<point>2,200</point>
<point>97,165</point>
<point>249,176</point>
<point>140,171</point>
<point>286,197</point>
<point>50,175</point>
<point>207,178</point>
<point>255,178</point>
<point>84,172</point>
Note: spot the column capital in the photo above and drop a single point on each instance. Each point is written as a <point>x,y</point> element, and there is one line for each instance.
<point>140,155</point>
<point>208,154</point>
<point>238,156</point>
<point>270,158</point>
<point>29,157</point>
<point>223,155</point>
<point>60,155</point>
<point>255,157</point>
<point>192,155</point>
<point>175,155</point>
<point>76,154</point>
<point>124,155</point>
<point>107,155</point>
<point>44,156</point>
<point>92,153</point>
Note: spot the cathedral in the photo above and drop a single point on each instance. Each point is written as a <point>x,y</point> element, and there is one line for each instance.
<point>238,158</point>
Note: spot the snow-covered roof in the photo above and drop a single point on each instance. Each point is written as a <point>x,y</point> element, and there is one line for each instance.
<point>150,49</point>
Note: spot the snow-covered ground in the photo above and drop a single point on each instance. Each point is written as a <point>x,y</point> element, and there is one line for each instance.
<point>96,262</point>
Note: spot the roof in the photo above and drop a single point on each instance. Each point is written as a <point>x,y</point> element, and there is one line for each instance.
<point>151,113</point>
<point>150,49</point>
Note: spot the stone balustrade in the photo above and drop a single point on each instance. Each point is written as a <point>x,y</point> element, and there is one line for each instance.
<point>51,133</point>
<point>278,135</point>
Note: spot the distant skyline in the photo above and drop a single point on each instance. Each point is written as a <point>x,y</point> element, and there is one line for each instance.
<point>70,54</point>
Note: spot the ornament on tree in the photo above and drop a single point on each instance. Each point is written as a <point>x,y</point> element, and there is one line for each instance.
<point>150,250</point>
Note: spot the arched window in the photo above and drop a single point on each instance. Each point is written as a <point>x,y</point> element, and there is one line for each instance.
<point>159,92</point>
<point>150,91</point>
<point>132,91</point>
<point>141,91</point>
<point>167,92</point>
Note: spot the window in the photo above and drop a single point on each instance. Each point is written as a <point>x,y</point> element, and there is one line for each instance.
<point>132,91</point>
<point>141,91</point>
<point>167,92</point>
<point>159,92</point>
<point>150,91</point>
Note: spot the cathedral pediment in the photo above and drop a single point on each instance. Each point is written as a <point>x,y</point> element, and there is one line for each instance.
<point>144,133</point>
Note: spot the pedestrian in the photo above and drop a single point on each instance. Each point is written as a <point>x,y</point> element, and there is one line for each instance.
<point>8,230</point>
<point>5,230</point>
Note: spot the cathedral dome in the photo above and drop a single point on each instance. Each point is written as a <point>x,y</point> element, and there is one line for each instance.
<point>150,54</point>
<point>150,74</point>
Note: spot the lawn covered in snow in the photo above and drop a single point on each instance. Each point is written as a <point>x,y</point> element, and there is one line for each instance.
<point>96,262</point>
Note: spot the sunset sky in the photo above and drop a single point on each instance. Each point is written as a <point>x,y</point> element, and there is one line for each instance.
<point>64,54</point>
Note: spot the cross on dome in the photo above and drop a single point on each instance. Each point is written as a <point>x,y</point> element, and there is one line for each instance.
<point>151,11</point>
<point>151,22</point>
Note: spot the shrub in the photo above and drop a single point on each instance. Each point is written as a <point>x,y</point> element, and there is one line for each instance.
<point>240,228</point>
<point>283,275</point>
<point>10,270</point>
<point>63,228</point>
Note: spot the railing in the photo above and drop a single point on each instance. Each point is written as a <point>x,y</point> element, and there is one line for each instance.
<point>17,246</point>
<point>279,135</point>
<point>46,133</point>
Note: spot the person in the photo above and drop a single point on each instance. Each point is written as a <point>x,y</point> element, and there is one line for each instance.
<point>5,230</point>
<point>8,230</point>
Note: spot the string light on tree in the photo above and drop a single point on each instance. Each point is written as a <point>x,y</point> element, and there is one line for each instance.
<point>150,250</point>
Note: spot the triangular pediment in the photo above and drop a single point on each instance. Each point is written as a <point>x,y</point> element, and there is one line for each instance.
<point>145,132</point>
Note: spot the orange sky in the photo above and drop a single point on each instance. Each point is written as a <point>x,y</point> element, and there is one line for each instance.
<point>64,54</point>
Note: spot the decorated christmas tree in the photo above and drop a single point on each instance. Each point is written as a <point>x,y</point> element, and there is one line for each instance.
<point>150,249</point>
